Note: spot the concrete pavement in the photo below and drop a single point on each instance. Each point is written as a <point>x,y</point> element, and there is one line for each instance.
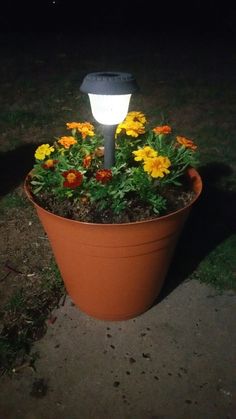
<point>176,361</point>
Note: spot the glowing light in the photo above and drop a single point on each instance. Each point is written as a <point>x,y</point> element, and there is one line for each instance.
<point>109,109</point>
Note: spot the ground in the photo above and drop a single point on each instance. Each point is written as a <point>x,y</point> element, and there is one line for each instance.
<point>175,361</point>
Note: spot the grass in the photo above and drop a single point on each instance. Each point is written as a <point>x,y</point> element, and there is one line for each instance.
<point>12,200</point>
<point>219,268</point>
<point>194,90</point>
<point>24,317</point>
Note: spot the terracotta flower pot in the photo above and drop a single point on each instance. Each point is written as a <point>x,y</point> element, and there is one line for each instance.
<point>115,271</point>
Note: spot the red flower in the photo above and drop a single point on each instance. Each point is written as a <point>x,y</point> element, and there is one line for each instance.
<point>104,175</point>
<point>73,178</point>
<point>49,164</point>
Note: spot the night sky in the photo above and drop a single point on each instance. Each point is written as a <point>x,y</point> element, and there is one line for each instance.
<point>185,18</point>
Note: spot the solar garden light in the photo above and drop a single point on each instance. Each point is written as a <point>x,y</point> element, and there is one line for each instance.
<point>109,94</point>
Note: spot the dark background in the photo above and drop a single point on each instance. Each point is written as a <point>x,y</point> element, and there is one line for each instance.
<point>195,18</point>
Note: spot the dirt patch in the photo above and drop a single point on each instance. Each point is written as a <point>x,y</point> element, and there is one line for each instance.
<point>30,285</point>
<point>39,388</point>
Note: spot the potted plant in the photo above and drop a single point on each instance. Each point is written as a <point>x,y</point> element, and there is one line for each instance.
<point>113,214</point>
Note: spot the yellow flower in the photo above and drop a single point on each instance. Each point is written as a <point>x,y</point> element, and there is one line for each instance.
<point>42,151</point>
<point>67,141</point>
<point>85,128</point>
<point>157,166</point>
<point>136,116</point>
<point>131,127</point>
<point>144,153</point>
<point>133,124</point>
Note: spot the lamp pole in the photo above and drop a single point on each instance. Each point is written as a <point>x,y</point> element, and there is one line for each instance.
<point>109,94</point>
<point>109,145</point>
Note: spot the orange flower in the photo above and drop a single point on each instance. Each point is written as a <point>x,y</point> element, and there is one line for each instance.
<point>186,142</point>
<point>164,129</point>
<point>85,128</point>
<point>73,125</point>
<point>49,164</point>
<point>73,178</point>
<point>87,161</point>
<point>67,142</point>
<point>104,175</point>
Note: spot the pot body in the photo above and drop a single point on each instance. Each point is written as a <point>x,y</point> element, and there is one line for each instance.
<point>115,271</point>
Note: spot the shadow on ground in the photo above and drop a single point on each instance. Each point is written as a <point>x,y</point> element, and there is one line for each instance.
<point>211,221</point>
<point>14,166</point>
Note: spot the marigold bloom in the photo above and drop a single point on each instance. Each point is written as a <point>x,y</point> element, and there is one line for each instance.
<point>42,151</point>
<point>157,166</point>
<point>144,153</point>
<point>131,127</point>
<point>87,161</point>
<point>67,142</point>
<point>85,128</point>
<point>73,125</point>
<point>164,129</point>
<point>49,164</point>
<point>186,142</point>
<point>73,178</point>
<point>104,175</point>
<point>136,116</point>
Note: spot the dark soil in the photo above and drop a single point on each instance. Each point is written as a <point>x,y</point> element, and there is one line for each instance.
<point>176,198</point>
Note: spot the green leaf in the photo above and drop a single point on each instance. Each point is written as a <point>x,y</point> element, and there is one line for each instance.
<point>38,189</point>
<point>35,182</point>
